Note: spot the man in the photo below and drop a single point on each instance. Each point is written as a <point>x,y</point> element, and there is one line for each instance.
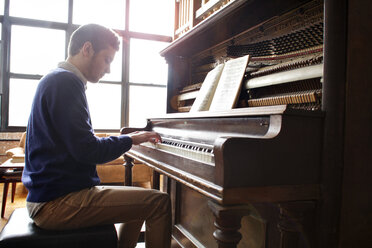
<point>62,152</point>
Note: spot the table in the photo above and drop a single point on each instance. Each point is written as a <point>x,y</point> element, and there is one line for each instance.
<point>10,172</point>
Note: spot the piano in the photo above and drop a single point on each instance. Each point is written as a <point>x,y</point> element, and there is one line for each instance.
<point>255,175</point>
<point>223,156</point>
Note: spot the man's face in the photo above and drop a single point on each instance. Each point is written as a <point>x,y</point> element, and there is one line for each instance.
<point>100,64</point>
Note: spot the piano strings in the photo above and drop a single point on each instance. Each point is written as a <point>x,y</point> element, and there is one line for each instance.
<point>301,48</point>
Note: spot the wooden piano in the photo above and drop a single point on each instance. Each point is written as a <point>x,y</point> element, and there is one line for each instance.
<point>267,172</point>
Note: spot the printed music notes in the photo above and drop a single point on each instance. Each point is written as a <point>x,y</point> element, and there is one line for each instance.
<point>204,98</point>
<point>221,86</point>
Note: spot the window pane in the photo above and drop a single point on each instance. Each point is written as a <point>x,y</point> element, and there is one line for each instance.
<point>115,67</point>
<point>21,94</point>
<point>1,58</point>
<point>56,10</point>
<point>145,102</point>
<point>146,65</point>
<point>104,105</point>
<point>109,13</point>
<point>36,50</point>
<point>149,16</point>
<point>1,7</point>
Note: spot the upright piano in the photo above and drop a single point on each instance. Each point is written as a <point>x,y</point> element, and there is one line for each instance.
<point>259,174</point>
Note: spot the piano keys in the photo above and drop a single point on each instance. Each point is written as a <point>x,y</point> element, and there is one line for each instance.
<point>195,151</point>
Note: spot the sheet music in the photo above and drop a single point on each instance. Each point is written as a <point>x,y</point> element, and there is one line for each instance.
<point>229,85</point>
<point>206,92</point>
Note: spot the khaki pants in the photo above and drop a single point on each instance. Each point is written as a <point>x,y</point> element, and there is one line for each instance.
<point>113,204</point>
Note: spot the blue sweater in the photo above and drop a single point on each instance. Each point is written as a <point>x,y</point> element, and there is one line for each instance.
<point>61,150</point>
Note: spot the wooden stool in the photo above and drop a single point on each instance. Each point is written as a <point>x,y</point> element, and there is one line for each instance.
<point>20,231</point>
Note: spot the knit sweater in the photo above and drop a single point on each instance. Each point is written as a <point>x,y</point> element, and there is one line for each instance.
<point>61,149</point>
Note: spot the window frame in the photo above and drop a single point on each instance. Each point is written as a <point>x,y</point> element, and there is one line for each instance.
<point>7,21</point>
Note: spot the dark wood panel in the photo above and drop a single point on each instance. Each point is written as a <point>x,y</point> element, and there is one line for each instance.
<point>195,216</point>
<point>356,218</point>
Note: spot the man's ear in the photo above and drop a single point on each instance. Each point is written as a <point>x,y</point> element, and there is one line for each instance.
<point>87,49</point>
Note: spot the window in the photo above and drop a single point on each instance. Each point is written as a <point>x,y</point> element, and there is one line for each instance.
<point>149,16</point>
<point>35,40</point>
<point>56,10</point>
<point>31,58</point>
<point>1,69</point>
<point>145,102</point>
<point>109,13</point>
<point>104,105</point>
<point>146,67</point>
<point>1,7</point>
<point>41,53</point>
<point>21,93</point>
<point>145,62</point>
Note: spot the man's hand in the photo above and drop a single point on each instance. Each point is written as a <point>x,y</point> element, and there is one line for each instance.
<point>144,136</point>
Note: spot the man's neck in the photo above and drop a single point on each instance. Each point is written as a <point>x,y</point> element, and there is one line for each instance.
<point>75,62</point>
<point>74,69</point>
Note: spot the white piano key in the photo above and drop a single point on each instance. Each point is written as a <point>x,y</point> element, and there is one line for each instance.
<point>191,150</point>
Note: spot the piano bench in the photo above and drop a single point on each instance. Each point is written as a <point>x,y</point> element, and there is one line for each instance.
<point>20,231</point>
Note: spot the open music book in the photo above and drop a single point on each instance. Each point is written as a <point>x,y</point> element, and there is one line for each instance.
<point>221,86</point>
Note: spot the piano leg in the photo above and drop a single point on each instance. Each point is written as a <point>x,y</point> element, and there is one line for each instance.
<point>228,223</point>
<point>128,170</point>
<point>155,180</point>
<point>296,224</point>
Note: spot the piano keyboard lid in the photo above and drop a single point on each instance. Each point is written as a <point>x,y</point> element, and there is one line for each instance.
<point>256,111</point>
<point>206,127</point>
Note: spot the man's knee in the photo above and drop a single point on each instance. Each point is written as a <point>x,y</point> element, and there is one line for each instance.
<point>164,201</point>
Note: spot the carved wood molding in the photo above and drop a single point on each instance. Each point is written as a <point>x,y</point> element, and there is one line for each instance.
<point>228,223</point>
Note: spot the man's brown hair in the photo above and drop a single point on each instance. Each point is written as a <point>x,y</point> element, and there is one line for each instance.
<point>100,37</point>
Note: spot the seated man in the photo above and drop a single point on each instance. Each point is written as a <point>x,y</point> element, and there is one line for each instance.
<point>62,152</point>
